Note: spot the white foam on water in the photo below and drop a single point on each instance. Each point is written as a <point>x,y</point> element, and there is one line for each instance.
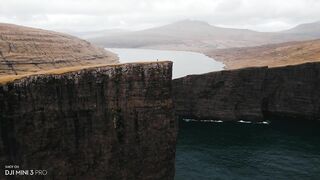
<point>211,121</point>
<point>264,122</point>
<point>189,120</point>
<point>217,121</point>
<point>246,122</point>
<point>220,121</point>
<point>203,120</point>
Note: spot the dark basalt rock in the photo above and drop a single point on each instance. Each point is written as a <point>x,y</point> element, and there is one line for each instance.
<point>251,94</point>
<point>113,122</point>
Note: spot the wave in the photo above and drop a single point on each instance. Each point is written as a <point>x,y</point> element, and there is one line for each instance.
<point>220,121</point>
<point>246,122</point>
<point>203,120</point>
<point>263,122</point>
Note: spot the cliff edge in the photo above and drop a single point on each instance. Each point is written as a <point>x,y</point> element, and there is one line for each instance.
<point>110,122</point>
<point>254,94</point>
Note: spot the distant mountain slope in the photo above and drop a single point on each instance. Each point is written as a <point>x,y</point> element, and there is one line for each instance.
<point>97,34</point>
<point>26,50</point>
<point>307,29</point>
<point>200,36</point>
<point>184,35</point>
<point>269,55</point>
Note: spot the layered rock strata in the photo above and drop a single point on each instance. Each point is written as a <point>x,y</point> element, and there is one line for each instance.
<point>251,94</point>
<point>112,122</point>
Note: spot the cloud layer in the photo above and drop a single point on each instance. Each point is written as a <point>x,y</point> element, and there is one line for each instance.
<point>87,15</point>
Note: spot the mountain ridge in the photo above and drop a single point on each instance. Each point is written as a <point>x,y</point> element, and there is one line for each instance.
<point>198,36</point>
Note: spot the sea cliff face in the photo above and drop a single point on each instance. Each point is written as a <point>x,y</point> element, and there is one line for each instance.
<point>251,94</point>
<point>112,122</point>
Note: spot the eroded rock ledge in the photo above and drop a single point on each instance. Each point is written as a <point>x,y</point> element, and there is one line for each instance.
<point>251,94</point>
<point>113,122</point>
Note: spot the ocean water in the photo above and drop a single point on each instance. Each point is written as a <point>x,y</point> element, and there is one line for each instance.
<point>184,62</point>
<point>279,150</point>
<point>211,150</point>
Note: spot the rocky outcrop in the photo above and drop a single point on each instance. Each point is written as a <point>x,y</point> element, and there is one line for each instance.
<point>112,122</point>
<point>251,94</point>
<point>25,50</point>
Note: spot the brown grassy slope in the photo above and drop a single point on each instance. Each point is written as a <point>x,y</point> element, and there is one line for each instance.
<point>273,55</point>
<point>25,50</point>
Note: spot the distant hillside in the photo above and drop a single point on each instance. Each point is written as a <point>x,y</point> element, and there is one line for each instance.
<point>269,55</point>
<point>308,30</point>
<point>97,34</point>
<point>184,35</point>
<point>26,50</point>
<point>200,36</point>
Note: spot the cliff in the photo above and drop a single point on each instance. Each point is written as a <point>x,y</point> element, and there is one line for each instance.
<point>111,122</point>
<point>251,94</point>
<point>25,50</point>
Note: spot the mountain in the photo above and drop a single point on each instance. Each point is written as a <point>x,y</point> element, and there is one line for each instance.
<point>302,32</point>
<point>237,48</point>
<point>184,35</point>
<point>97,34</point>
<point>310,29</point>
<point>272,55</point>
<point>201,36</point>
<point>26,50</point>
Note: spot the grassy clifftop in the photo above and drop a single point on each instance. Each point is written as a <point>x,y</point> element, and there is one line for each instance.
<point>273,55</point>
<point>25,50</point>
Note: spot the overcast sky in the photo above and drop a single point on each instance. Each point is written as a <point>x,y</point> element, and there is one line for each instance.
<point>87,15</point>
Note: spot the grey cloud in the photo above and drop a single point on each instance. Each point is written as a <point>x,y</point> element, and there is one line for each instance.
<point>85,15</point>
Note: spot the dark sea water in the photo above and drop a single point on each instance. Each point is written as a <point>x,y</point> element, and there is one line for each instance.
<point>206,150</point>
<point>281,150</point>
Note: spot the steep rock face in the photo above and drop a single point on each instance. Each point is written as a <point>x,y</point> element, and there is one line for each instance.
<point>250,94</point>
<point>26,50</point>
<point>112,122</point>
